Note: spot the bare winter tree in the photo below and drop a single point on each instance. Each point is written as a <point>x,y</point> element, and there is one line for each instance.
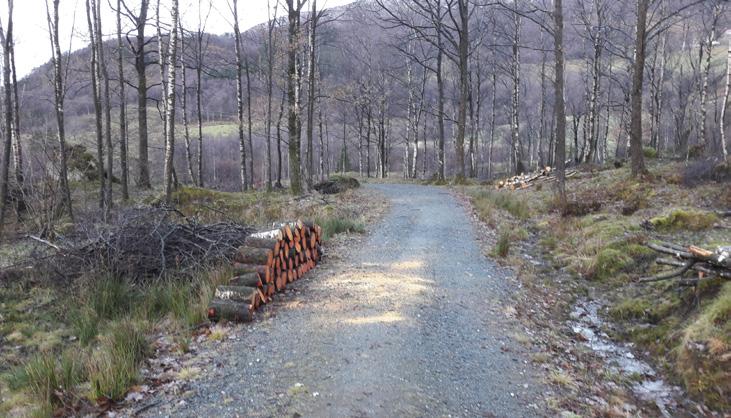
<point>105,97</point>
<point>170,101</point>
<point>96,97</point>
<point>271,26</point>
<point>725,104</point>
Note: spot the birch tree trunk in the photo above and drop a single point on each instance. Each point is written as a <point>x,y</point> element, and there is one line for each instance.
<point>170,100</point>
<point>311,95</point>
<point>440,101</point>
<point>106,106</point>
<point>17,144</point>
<point>184,108</point>
<point>707,45</point>
<point>240,98</point>
<point>725,104</point>
<point>516,156</point>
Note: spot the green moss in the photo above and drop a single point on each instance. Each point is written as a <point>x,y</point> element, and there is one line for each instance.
<point>337,225</point>
<point>680,219</point>
<point>649,152</point>
<point>609,262</point>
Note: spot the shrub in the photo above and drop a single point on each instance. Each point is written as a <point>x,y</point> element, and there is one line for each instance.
<point>649,152</point>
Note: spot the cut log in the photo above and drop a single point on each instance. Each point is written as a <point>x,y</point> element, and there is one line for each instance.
<point>237,293</point>
<point>252,255</point>
<point>230,311</point>
<point>275,233</point>
<point>243,268</point>
<point>248,279</point>
<point>268,243</point>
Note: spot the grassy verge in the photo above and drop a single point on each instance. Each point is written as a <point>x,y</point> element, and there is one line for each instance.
<point>86,339</point>
<point>687,332</point>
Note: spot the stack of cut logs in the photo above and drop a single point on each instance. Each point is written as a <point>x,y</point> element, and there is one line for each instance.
<point>706,264</point>
<point>524,181</point>
<point>265,264</point>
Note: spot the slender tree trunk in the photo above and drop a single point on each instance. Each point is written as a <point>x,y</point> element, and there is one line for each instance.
<point>635,141</point>
<point>542,121</point>
<point>248,120</point>
<point>240,98</point>
<point>311,94</point>
<point>198,92</point>
<point>492,121</point>
<point>440,108</point>
<point>516,147</point>
<point>106,106</point>
<point>560,106</point>
<point>464,42</point>
<point>270,87</point>
<point>96,89</point>
<point>17,144</point>
<point>184,108</point>
<point>368,142</point>
<point>59,95</point>
<point>293,97</point>
<point>170,107</point>
<point>279,141</point>
<point>593,99</point>
<point>7,39</point>
<point>122,107</point>
<point>725,104</point>
<point>143,166</point>
<point>708,46</point>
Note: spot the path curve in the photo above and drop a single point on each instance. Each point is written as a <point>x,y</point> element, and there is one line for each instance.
<point>413,322</point>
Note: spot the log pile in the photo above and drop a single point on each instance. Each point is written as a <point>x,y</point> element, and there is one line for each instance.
<point>523,181</point>
<point>266,263</point>
<point>703,263</point>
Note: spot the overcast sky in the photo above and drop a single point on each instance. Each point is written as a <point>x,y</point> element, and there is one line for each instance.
<point>32,47</point>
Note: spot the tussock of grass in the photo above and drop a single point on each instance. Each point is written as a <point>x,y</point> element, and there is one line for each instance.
<point>333,226</point>
<point>502,247</point>
<point>113,367</point>
<point>510,202</point>
<point>680,219</point>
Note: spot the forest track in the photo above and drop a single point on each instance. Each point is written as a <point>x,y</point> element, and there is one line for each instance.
<point>410,320</point>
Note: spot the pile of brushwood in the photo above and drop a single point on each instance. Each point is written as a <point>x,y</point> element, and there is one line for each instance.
<point>701,263</point>
<point>337,184</point>
<point>140,243</point>
<point>523,181</point>
<point>265,264</point>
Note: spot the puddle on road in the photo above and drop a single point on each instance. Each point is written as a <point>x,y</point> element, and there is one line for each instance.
<point>619,358</point>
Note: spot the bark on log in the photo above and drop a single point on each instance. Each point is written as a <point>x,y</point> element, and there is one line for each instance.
<point>252,279</point>
<point>251,255</point>
<point>237,293</point>
<point>275,233</point>
<point>268,243</point>
<point>230,311</point>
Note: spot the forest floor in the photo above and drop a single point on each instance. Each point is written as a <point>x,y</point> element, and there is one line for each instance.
<point>617,346</point>
<point>409,320</point>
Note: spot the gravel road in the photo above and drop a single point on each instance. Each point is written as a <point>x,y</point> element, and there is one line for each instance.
<point>410,320</point>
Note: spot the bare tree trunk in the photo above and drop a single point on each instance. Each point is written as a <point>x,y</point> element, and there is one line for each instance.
<point>725,105</point>
<point>707,44</point>
<point>360,142</point>
<point>143,166</point>
<point>311,94</point>
<point>560,106</point>
<point>322,144</point>
<point>368,142</point>
<point>464,42</point>
<point>17,144</point>
<point>248,120</point>
<point>542,122</point>
<point>122,106</point>
<point>7,40</point>
<point>419,112</point>
<point>184,108</point>
<point>240,98</point>
<point>170,107</point>
<point>198,91</point>
<point>440,106</point>
<point>270,86</point>
<point>516,156</point>
<point>106,106</point>
<point>492,121</point>
<point>279,141</point>
<point>59,95</point>
<point>635,141</point>
<point>593,99</point>
<point>96,89</point>
<point>293,96</point>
